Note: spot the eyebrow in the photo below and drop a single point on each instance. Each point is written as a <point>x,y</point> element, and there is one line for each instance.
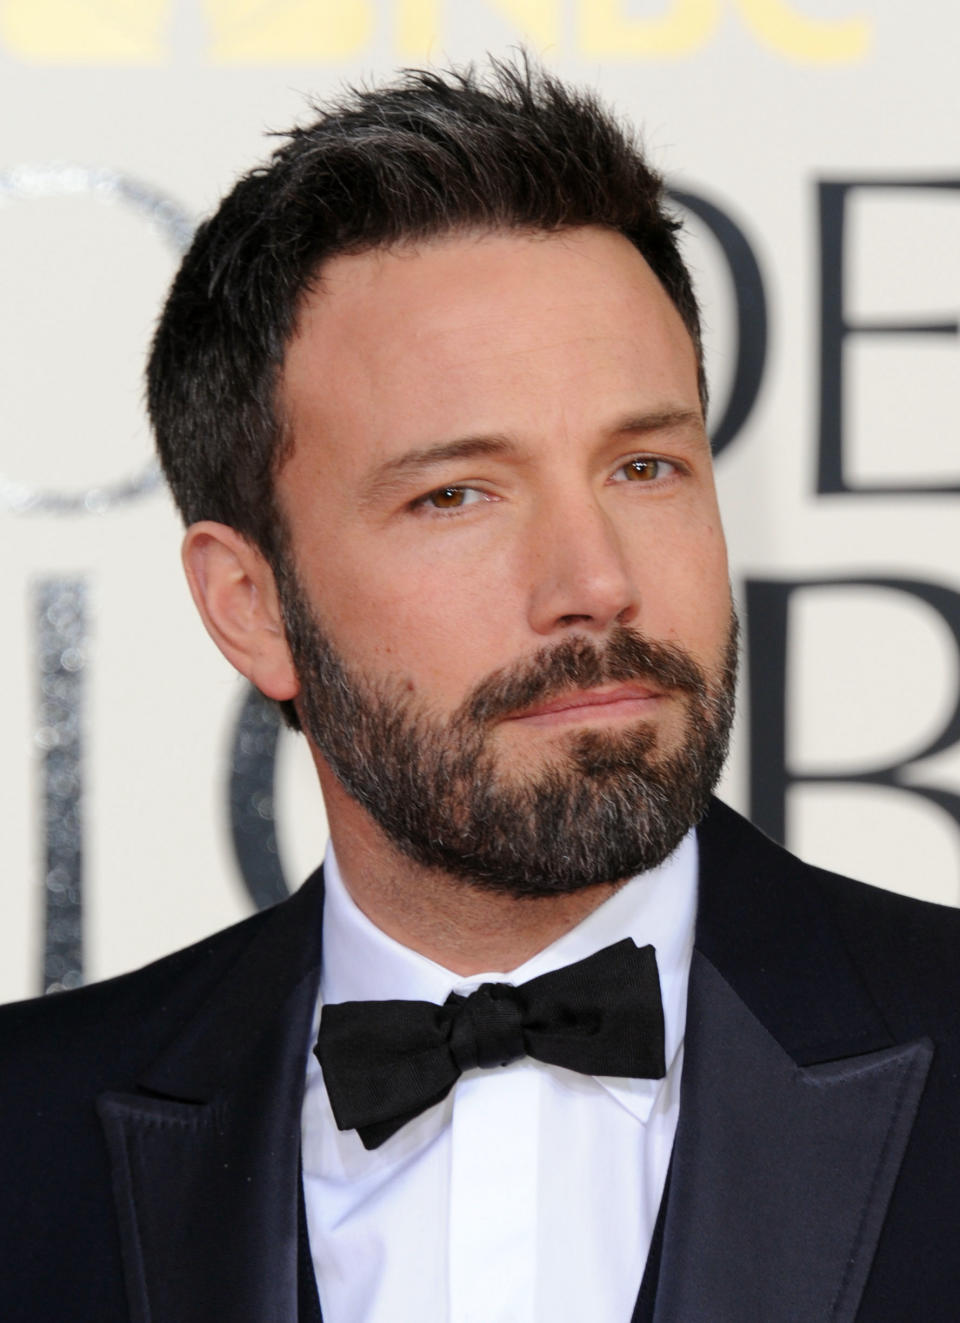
<point>663,420</point>
<point>423,458</point>
<point>411,462</point>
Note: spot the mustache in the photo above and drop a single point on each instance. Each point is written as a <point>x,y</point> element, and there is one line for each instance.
<point>582,663</point>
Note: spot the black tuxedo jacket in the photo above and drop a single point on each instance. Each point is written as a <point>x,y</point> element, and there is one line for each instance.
<point>149,1126</point>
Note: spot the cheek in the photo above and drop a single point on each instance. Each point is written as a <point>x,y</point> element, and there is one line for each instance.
<point>437,622</point>
<point>684,590</point>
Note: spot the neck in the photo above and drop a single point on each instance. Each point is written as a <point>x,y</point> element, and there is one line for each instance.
<point>466,928</point>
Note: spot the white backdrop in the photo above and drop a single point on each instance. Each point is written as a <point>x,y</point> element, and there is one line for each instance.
<point>813,145</point>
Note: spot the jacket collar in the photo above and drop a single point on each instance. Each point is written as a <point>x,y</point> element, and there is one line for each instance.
<point>796,1103</point>
<point>205,1151</point>
<point>763,921</point>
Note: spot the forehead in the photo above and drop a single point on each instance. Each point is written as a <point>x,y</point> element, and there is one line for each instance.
<point>494,332</point>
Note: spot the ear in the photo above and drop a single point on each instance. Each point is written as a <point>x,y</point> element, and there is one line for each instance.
<point>235,592</point>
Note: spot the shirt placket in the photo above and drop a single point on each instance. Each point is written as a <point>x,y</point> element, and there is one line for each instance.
<point>493,1195</point>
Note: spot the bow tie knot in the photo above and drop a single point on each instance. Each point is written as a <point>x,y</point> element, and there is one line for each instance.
<point>385,1062</point>
<point>486,1028</point>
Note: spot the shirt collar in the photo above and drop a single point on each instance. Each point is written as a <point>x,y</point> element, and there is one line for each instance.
<point>361,963</point>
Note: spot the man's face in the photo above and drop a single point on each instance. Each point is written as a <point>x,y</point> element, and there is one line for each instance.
<point>504,527</point>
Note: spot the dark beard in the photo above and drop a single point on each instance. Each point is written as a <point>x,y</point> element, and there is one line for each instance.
<point>604,808</point>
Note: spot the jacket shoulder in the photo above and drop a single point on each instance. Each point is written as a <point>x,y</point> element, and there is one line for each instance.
<point>60,1053</point>
<point>906,951</point>
<point>117,1026</point>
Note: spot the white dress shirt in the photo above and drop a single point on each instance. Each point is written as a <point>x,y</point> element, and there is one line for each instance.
<point>529,1193</point>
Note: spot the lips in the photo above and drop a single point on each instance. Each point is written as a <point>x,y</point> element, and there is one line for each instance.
<point>624,699</point>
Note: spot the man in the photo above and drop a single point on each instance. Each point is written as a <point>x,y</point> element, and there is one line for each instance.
<point>429,393</point>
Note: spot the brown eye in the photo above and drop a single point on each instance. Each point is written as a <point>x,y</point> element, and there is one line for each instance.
<point>447,498</point>
<point>641,470</point>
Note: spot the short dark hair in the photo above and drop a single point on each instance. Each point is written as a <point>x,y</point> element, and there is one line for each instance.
<point>432,153</point>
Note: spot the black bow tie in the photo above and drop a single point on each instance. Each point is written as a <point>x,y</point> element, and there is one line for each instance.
<point>385,1062</point>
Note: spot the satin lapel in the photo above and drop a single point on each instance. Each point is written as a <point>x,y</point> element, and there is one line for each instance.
<point>205,1154</point>
<point>781,1173</point>
<point>796,1100</point>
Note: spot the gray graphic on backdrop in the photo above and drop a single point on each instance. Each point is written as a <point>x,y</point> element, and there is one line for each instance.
<point>60,604</point>
<point>108,186</point>
<point>251,787</point>
<point>59,610</point>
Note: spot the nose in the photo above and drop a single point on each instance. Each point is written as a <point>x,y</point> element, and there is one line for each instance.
<point>582,575</point>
